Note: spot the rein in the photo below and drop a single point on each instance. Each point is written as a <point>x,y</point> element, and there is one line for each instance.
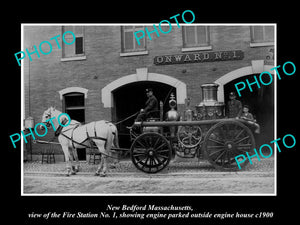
<point>127,118</point>
<point>59,132</point>
<point>88,138</point>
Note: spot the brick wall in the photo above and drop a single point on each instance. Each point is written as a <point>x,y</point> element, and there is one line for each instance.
<point>103,64</point>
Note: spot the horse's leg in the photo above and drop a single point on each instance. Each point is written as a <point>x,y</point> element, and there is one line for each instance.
<point>100,145</point>
<point>71,155</point>
<point>65,149</point>
<point>98,171</point>
<point>77,164</point>
<point>103,159</point>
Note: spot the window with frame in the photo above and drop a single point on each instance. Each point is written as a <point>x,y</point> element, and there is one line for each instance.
<point>76,49</point>
<point>73,105</point>
<point>262,34</point>
<point>195,36</point>
<point>129,42</point>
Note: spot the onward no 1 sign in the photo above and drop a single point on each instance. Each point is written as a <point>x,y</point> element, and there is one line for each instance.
<point>199,57</point>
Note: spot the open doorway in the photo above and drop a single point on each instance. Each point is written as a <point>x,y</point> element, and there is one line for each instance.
<point>261,104</point>
<point>130,98</point>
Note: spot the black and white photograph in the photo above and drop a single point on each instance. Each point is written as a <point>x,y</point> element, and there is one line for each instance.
<point>148,109</point>
<point>176,115</point>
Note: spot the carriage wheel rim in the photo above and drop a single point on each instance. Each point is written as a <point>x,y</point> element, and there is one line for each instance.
<point>151,159</point>
<point>222,152</point>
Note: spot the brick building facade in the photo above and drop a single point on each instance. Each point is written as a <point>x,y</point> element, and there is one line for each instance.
<point>103,74</point>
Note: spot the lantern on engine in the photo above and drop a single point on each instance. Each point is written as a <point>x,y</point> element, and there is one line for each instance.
<point>172,114</point>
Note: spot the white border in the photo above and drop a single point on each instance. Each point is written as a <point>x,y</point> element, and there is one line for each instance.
<point>22,111</point>
<point>275,109</point>
<point>151,24</point>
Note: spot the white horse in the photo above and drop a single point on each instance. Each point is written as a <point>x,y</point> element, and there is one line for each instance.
<point>74,135</point>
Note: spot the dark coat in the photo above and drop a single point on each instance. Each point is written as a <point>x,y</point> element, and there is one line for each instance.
<point>234,108</point>
<point>150,106</point>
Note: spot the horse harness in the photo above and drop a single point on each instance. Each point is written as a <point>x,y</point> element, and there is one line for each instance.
<point>59,129</point>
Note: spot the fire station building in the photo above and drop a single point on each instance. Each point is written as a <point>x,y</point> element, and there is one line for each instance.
<point>104,73</point>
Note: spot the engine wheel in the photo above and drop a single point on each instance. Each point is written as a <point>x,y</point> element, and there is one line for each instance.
<point>150,152</point>
<point>226,140</point>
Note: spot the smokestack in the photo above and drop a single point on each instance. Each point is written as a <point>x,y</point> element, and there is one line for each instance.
<point>209,94</point>
<point>209,107</point>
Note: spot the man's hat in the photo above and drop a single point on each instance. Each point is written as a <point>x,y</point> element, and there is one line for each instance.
<point>232,94</point>
<point>246,106</point>
<point>149,89</point>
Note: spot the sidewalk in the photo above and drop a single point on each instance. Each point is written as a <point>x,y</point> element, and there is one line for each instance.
<point>126,166</point>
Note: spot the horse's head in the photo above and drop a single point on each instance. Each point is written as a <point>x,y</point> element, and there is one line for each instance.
<point>46,116</point>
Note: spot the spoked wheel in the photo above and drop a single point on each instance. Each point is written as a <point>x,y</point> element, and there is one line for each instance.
<point>150,152</point>
<point>226,140</point>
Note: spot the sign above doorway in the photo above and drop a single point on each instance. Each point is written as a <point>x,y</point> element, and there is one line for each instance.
<point>199,57</point>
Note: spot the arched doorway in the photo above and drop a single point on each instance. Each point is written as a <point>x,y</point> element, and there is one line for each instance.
<point>143,75</point>
<point>130,98</point>
<point>261,105</point>
<point>260,101</point>
<point>127,95</point>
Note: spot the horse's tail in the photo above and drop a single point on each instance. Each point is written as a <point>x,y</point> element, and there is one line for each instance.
<point>115,143</point>
<point>116,138</point>
<point>109,141</point>
<point>114,131</point>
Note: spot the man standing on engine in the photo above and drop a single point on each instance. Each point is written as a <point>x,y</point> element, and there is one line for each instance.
<point>234,107</point>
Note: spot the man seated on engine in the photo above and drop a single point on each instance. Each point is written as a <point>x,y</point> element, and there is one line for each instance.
<point>150,110</point>
<point>151,107</point>
<point>246,115</point>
